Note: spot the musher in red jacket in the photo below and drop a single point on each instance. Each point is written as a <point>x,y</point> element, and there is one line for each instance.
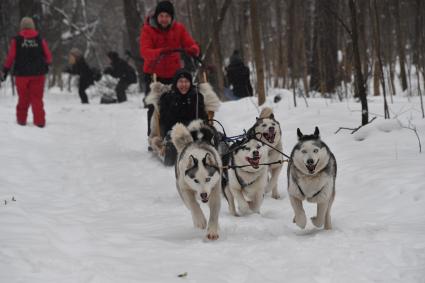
<point>31,56</point>
<point>160,35</point>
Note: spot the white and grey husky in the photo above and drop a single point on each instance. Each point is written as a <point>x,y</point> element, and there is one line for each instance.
<point>311,176</point>
<point>246,184</point>
<point>267,128</point>
<point>198,174</point>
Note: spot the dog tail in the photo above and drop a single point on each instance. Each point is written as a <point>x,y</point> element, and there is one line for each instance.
<point>180,136</point>
<point>266,112</point>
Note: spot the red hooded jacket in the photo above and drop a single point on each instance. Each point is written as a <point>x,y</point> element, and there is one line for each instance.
<point>31,70</point>
<point>154,43</point>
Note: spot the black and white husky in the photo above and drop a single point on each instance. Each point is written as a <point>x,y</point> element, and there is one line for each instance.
<point>198,174</point>
<point>267,128</point>
<point>311,176</point>
<point>246,184</point>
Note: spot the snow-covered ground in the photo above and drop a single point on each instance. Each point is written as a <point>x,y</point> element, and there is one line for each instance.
<point>82,200</point>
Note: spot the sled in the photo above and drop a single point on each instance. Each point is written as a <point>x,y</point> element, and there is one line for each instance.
<point>162,146</point>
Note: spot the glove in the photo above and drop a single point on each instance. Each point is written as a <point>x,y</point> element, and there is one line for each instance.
<point>166,50</point>
<point>4,74</point>
<point>193,51</point>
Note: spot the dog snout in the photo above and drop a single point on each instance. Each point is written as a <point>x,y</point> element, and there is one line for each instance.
<point>204,195</point>
<point>271,129</point>
<point>310,161</point>
<point>255,153</point>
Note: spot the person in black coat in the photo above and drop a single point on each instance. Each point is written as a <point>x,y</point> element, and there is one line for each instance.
<point>238,76</point>
<point>78,66</point>
<point>182,104</point>
<point>121,70</point>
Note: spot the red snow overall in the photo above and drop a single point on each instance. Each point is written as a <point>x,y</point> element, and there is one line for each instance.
<point>31,56</point>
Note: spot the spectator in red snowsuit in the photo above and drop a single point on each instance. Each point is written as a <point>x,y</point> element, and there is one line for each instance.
<point>160,34</point>
<point>31,56</point>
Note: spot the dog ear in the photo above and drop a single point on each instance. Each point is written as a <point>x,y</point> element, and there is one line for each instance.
<point>193,162</point>
<point>316,132</point>
<point>300,135</point>
<point>208,160</point>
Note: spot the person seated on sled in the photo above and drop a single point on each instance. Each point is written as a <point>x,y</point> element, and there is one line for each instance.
<point>121,70</point>
<point>180,102</point>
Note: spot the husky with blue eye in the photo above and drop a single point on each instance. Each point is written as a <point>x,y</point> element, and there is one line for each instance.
<point>198,172</point>
<point>246,179</point>
<point>311,176</point>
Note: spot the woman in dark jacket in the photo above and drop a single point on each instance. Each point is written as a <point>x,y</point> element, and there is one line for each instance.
<point>121,70</point>
<point>182,104</point>
<point>78,66</point>
<point>238,76</point>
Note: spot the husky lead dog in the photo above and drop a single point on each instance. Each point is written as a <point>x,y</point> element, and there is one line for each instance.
<point>246,185</point>
<point>311,176</point>
<point>267,128</point>
<point>198,174</point>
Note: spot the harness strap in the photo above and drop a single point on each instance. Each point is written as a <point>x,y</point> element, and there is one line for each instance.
<point>240,181</point>
<point>301,191</point>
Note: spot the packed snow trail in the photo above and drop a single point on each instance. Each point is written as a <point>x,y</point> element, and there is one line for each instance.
<point>93,205</point>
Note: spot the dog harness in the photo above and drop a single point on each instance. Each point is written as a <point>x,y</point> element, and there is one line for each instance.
<point>240,181</point>
<point>301,191</point>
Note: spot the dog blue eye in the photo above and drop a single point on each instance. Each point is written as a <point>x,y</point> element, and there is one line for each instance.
<point>207,179</point>
<point>315,150</point>
<point>196,181</point>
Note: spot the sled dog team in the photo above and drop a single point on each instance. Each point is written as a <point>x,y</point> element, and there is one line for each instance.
<point>250,169</point>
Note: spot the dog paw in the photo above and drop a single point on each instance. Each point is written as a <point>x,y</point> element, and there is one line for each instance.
<point>316,222</point>
<point>244,210</point>
<point>212,234</point>
<point>276,195</point>
<point>301,221</point>
<point>200,222</point>
<point>328,226</point>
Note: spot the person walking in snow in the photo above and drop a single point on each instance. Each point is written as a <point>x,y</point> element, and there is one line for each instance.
<point>31,57</point>
<point>121,70</point>
<point>160,36</point>
<point>78,66</point>
<point>238,76</point>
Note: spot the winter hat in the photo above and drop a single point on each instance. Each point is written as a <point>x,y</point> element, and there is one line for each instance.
<point>182,73</point>
<point>76,52</point>
<point>27,23</point>
<point>164,6</point>
<point>113,55</point>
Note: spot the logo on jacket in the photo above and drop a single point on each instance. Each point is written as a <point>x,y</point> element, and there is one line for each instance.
<point>29,43</point>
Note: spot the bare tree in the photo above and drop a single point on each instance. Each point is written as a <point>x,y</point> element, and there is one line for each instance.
<point>259,68</point>
<point>359,79</point>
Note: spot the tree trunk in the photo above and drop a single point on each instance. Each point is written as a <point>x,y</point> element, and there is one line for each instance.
<point>359,80</point>
<point>400,45</point>
<point>133,22</point>
<point>216,45</point>
<point>377,37</point>
<point>255,25</point>
<point>324,63</point>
